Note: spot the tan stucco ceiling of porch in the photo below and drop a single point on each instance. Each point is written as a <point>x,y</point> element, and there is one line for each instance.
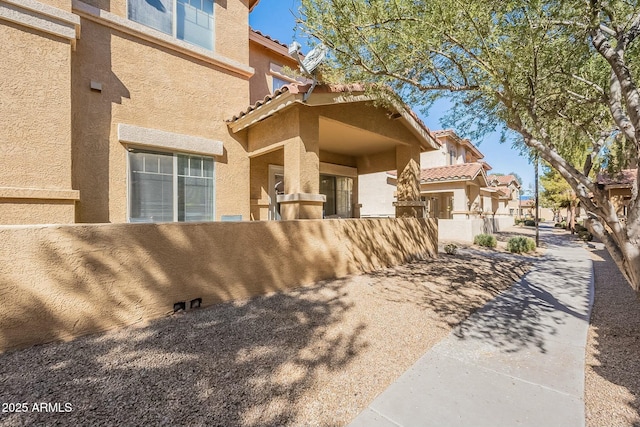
<point>341,138</point>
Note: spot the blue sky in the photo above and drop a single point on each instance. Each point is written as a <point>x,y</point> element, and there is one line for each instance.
<point>275,18</point>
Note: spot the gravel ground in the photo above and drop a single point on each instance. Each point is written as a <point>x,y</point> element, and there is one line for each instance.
<point>315,356</point>
<point>612,374</point>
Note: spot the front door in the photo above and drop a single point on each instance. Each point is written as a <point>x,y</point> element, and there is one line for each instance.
<point>276,187</point>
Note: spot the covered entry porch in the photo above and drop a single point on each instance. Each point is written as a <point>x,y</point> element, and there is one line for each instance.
<point>306,153</point>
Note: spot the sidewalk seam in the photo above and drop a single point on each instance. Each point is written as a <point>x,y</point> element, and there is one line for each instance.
<point>476,366</point>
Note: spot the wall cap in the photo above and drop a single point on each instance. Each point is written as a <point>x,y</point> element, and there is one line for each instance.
<point>301,197</point>
<point>41,17</point>
<point>38,193</point>
<point>159,139</point>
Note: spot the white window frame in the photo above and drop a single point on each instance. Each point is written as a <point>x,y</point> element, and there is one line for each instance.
<point>174,24</point>
<point>175,182</point>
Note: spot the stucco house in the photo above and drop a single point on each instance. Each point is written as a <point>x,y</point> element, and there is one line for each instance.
<point>453,184</point>
<point>620,188</point>
<point>508,193</point>
<point>147,148</point>
<point>131,112</point>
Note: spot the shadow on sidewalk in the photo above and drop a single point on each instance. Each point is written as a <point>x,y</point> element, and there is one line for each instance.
<point>529,315</point>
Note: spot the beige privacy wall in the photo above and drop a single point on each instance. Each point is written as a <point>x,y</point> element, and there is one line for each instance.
<point>60,282</point>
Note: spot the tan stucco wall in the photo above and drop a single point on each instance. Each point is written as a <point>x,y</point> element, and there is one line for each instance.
<point>465,230</point>
<point>232,27</point>
<point>36,211</point>
<point>35,118</point>
<point>161,89</point>
<point>60,4</point>
<point>231,19</point>
<point>377,194</point>
<point>72,280</point>
<point>260,59</point>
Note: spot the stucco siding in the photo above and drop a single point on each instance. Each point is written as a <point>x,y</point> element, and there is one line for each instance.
<point>465,230</point>
<point>35,110</point>
<point>162,90</point>
<point>78,279</point>
<point>377,195</point>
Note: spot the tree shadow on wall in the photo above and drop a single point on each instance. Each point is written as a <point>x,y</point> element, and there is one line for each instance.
<point>243,364</point>
<point>240,364</point>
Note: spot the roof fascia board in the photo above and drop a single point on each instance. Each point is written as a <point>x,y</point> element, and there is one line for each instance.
<point>269,44</point>
<point>279,103</point>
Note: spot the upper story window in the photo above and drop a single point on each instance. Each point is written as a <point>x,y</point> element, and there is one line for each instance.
<point>188,20</point>
<point>453,155</point>
<point>278,83</point>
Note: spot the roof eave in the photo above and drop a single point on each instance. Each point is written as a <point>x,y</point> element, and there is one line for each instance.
<point>265,110</point>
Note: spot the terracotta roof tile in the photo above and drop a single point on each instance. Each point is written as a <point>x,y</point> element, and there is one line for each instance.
<point>296,88</point>
<point>461,172</point>
<point>268,37</point>
<point>626,177</point>
<point>502,179</point>
<point>505,192</point>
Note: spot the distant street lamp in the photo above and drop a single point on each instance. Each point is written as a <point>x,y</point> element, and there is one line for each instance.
<point>537,219</point>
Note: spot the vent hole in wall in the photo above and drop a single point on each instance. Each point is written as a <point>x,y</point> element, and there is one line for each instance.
<point>196,303</point>
<point>178,306</point>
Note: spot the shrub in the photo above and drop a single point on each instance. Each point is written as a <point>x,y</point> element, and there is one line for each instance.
<point>530,223</point>
<point>585,235</point>
<point>520,244</point>
<point>485,240</point>
<point>451,248</point>
<point>560,225</point>
<point>580,228</point>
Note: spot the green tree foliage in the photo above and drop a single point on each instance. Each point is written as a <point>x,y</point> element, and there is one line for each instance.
<point>562,77</point>
<point>556,193</point>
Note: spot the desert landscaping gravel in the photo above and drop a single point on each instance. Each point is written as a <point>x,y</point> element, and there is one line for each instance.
<point>612,374</point>
<point>314,356</point>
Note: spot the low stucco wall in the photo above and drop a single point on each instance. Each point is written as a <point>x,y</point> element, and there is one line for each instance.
<point>464,230</point>
<point>59,282</point>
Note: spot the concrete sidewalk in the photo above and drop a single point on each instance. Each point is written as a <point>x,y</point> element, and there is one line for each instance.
<point>519,361</point>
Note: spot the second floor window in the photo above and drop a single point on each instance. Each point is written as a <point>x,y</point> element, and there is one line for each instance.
<point>188,20</point>
<point>452,156</point>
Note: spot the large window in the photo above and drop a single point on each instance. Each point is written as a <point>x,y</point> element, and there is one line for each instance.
<point>170,187</point>
<point>339,193</point>
<point>188,20</point>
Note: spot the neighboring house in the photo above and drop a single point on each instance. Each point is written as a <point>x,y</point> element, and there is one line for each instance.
<point>453,182</point>
<point>454,179</point>
<point>509,194</point>
<point>620,188</point>
<point>528,209</point>
<point>177,111</point>
<point>454,186</point>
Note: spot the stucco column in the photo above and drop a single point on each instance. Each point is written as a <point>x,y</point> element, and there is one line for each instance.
<point>408,184</point>
<point>302,198</point>
<point>460,207</point>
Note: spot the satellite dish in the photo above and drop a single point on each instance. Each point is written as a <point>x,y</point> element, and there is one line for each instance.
<point>310,63</point>
<point>312,60</point>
